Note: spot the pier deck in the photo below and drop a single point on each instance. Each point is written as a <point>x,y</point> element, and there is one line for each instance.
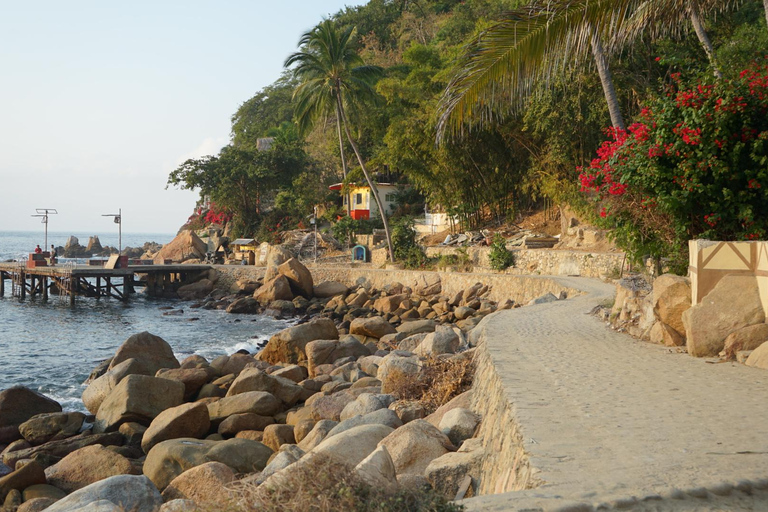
<point>88,280</point>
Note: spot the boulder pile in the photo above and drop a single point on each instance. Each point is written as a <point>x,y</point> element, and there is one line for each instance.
<point>195,431</point>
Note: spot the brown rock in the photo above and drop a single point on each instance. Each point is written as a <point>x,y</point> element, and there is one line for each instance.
<point>29,474</point>
<point>330,289</point>
<point>86,466</point>
<point>186,420</point>
<point>151,351</point>
<point>100,387</point>
<point>63,447</point>
<point>277,435</point>
<point>288,346</point>
<point>463,401</point>
<point>414,445</point>
<point>192,378</point>
<point>51,426</point>
<point>253,379</point>
<point>375,327</point>
<point>708,324</point>
<point>748,338</point>
<point>275,289</point>
<point>389,304</point>
<point>759,357</point>
<point>248,421</point>
<point>42,491</point>
<point>321,352</point>
<point>36,505</point>
<point>206,483</point>
<point>256,402</point>
<point>299,278</point>
<point>196,290</point>
<point>137,398</point>
<point>18,404</point>
<point>665,335</point>
<point>671,297</point>
<point>231,365</point>
<point>187,245</point>
<point>292,372</point>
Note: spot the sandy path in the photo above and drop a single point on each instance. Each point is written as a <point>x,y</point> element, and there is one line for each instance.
<point>606,417</point>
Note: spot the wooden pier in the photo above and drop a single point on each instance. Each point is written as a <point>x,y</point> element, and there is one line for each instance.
<point>68,280</point>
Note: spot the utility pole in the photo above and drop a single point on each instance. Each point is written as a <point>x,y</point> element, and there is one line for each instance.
<point>118,217</point>
<point>44,213</point>
<point>314,221</point>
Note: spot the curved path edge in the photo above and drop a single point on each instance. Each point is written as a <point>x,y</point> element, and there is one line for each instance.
<point>579,417</point>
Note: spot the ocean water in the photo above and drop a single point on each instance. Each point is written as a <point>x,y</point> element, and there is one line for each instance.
<point>52,348</point>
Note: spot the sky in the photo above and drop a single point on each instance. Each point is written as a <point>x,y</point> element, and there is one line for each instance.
<point>100,101</point>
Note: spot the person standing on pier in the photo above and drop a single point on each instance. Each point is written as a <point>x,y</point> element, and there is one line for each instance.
<point>38,250</point>
<point>53,255</point>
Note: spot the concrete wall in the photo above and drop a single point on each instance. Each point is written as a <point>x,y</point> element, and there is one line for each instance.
<point>547,261</point>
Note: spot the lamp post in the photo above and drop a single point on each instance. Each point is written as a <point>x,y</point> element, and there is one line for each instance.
<point>44,213</point>
<point>313,220</point>
<point>118,217</point>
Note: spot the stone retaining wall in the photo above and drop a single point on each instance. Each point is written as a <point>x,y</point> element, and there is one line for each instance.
<point>547,261</point>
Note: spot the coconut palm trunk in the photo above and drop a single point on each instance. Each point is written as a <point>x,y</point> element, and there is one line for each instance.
<point>606,79</point>
<point>371,184</point>
<point>698,27</point>
<point>341,152</point>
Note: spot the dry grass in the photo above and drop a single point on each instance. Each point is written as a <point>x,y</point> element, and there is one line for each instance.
<point>323,484</point>
<point>439,381</point>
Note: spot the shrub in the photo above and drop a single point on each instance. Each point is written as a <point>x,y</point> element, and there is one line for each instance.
<point>323,484</point>
<point>407,251</point>
<point>345,229</point>
<point>694,166</point>
<point>437,383</point>
<point>500,257</point>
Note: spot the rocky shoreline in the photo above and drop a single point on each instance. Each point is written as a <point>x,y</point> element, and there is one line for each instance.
<point>376,381</point>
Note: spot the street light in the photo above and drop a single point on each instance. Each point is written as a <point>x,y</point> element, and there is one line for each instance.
<point>44,213</point>
<point>119,221</point>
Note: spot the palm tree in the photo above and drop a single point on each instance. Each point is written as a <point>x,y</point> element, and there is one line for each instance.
<point>529,45</point>
<point>334,79</point>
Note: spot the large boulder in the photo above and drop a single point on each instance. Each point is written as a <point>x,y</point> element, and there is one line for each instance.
<point>299,278</point>
<point>459,424</point>
<point>253,379</point>
<point>416,327</point>
<point>246,421</point>
<point>329,407</point>
<point>151,351</point>
<point>329,289</point>
<point>759,357</point>
<point>671,297</point>
<point>244,306</point>
<point>27,475</point>
<point>256,402</point>
<point>131,492</point>
<point>389,303</point>
<point>378,470</point>
<point>206,483</point>
<point>18,404</point>
<point>196,290</point>
<point>327,351</point>
<point>277,256</point>
<point>102,386</point>
<point>185,420</point>
<point>748,338</point>
<point>375,327</point>
<point>364,404</point>
<point>51,426</point>
<point>447,472</point>
<point>397,368</point>
<point>443,341</point>
<point>137,398</point>
<point>414,445</point>
<point>192,378</point>
<point>732,304</point>
<point>86,466</point>
<point>275,289</point>
<point>353,445</point>
<point>167,460</point>
<point>62,447</point>
<point>186,246</point>
<point>288,346</point>
<point>385,417</point>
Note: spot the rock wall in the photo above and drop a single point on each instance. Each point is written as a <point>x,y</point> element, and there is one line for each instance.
<point>506,467</point>
<point>547,261</point>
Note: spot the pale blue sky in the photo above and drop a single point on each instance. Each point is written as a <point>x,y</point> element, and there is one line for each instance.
<point>100,101</point>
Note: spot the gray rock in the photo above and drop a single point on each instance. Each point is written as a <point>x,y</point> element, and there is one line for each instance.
<point>131,492</point>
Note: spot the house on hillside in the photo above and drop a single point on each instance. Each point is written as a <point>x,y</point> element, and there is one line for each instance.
<point>363,205</point>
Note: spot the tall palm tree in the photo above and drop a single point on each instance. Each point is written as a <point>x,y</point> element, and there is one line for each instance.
<point>333,79</point>
<point>529,45</point>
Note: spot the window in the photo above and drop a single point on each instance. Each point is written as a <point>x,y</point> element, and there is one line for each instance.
<point>390,198</point>
<point>345,198</point>
<point>358,199</point>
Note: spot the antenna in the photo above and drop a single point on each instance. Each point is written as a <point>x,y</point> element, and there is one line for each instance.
<point>44,213</point>
<point>118,218</point>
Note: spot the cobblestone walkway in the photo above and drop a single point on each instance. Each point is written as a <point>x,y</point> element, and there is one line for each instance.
<point>611,420</point>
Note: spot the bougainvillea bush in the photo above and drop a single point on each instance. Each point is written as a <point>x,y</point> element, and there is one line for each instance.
<point>695,165</point>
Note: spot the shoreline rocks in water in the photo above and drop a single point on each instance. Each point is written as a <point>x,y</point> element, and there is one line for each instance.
<point>363,380</point>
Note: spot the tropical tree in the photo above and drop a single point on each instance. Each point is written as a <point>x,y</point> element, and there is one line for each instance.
<point>334,79</point>
<point>502,64</point>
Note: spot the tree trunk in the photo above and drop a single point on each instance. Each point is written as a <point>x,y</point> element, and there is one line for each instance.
<point>341,149</point>
<point>607,80</point>
<point>765,7</point>
<point>703,38</point>
<point>374,188</point>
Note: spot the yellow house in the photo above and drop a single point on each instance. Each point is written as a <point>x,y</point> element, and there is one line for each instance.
<point>363,205</point>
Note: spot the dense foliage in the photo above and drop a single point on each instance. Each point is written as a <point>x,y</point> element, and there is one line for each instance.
<point>694,165</point>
